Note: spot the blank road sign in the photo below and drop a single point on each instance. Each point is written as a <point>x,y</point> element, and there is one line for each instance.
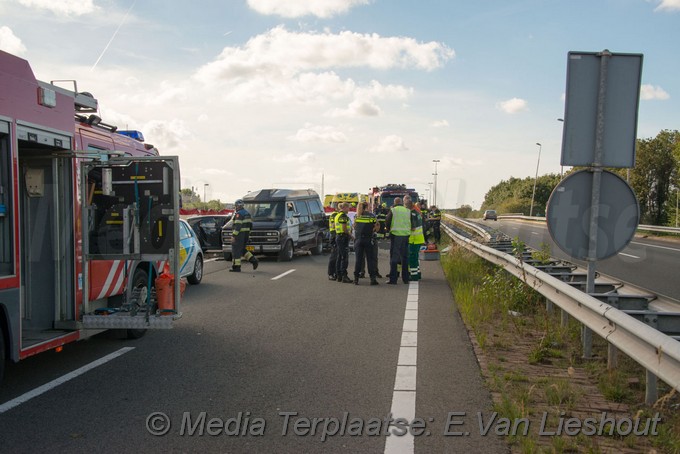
<point>622,95</point>
<point>569,209</point>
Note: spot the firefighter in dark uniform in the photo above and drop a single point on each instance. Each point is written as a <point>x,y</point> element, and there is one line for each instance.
<point>343,233</point>
<point>365,225</point>
<point>240,233</point>
<point>381,214</point>
<point>425,213</point>
<point>435,220</point>
<point>333,259</point>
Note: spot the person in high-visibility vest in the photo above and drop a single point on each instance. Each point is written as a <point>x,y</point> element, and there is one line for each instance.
<point>365,225</point>
<point>332,260</point>
<point>435,220</point>
<point>240,233</point>
<point>425,213</point>
<point>399,222</point>
<point>343,233</point>
<point>415,241</point>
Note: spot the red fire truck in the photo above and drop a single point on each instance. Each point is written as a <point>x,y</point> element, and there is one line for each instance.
<point>386,194</point>
<point>88,220</point>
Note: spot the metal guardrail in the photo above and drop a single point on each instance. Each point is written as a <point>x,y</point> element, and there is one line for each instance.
<point>653,350</point>
<point>644,228</point>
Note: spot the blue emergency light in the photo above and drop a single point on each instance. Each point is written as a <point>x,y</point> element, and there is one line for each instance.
<point>137,135</point>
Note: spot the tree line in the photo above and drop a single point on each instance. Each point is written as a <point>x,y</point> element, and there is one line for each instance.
<point>655,180</point>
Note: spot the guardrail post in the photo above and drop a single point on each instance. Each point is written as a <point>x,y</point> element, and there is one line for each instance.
<point>587,338</point>
<point>651,392</point>
<point>612,356</point>
<point>549,306</point>
<point>564,322</point>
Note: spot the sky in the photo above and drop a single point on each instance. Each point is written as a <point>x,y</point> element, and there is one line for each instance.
<point>344,95</point>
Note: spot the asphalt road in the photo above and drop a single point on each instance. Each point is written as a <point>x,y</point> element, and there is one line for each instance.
<point>253,353</point>
<point>646,262</point>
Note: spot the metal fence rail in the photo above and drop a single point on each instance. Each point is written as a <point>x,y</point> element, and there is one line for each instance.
<point>641,227</point>
<point>658,353</point>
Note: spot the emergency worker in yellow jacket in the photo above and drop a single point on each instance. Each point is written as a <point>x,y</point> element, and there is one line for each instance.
<point>415,241</point>
<point>332,260</point>
<point>399,222</point>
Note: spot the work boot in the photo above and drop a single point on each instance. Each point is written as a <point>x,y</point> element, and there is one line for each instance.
<point>374,281</point>
<point>339,278</point>
<point>378,275</point>
<point>362,275</point>
<point>254,261</point>
<point>332,277</point>
<point>346,280</point>
<point>356,281</point>
<point>235,269</point>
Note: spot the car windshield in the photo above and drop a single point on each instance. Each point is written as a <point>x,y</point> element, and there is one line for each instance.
<point>265,211</point>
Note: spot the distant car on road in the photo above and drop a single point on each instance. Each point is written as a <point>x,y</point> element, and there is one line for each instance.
<point>208,229</point>
<point>490,214</point>
<point>190,254</point>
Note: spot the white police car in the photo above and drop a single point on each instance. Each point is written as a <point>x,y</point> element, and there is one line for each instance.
<point>190,254</point>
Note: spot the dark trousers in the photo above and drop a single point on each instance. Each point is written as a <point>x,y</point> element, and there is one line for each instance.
<point>238,248</point>
<point>437,232</point>
<point>342,242</point>
<point>399,255</point>
<point>332,260</point>
<point>374,252</point>
<point>364,248</point>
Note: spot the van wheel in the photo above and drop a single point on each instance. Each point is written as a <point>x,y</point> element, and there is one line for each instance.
<point>286,254</point>
<point>140,281</point>
<point>318,249</point>
<point>227,256</point>
<point>2,354</point>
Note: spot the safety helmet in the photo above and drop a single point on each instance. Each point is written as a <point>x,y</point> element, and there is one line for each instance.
<point>239,203</point>
<point>384,205</point>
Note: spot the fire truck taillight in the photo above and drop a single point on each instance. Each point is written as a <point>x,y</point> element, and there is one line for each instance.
<point>47,97</point>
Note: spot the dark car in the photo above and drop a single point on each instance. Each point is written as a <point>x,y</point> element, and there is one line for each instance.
<point>208,229</point>
<point>490,214</point>
<point>284,221</point>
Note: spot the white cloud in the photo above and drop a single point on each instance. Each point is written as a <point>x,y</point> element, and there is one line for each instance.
<point>280,53</point>
<point>390,144</point>
<point>298,8</point>
<point>649,92</point>
<point>668,5</point>
<point>323,134</point>
<point>213,171</point>
<point>62,7</point>
<point>167,135</point>
<point>440,124</point>
<point>304,157</point>
<point>357,108</point>
<point>9,42</point>
<point>512,106</point>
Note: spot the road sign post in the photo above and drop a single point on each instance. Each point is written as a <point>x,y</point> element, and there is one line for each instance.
<point>613,82</point>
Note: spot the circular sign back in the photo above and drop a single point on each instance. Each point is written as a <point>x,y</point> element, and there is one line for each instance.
<point>569,208</point>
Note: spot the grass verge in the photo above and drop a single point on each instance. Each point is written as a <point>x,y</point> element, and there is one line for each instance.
<point>534,368</point>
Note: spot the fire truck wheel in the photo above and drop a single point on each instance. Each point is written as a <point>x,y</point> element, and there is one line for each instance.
<point>139,279</point>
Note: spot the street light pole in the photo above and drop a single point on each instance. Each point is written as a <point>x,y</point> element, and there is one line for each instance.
<point>429,198</point>
<point>435,181</point>
<point>533,194</point>
<point>204,186</point>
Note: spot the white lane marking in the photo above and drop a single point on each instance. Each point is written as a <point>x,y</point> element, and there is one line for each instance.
<point>61,380</point>
<point>212,260</point>
<point>535,233</point>
<point>628,255</point>
<point>404,393</point>
<point>654,245</point>
<point>282,274</point>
